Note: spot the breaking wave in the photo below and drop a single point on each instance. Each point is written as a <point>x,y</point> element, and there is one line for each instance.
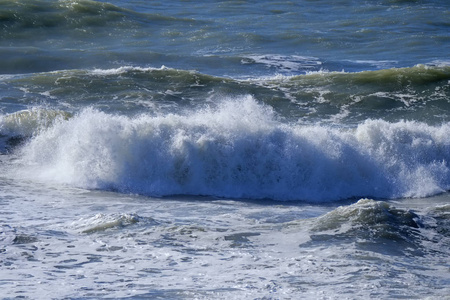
<point>241,149</point>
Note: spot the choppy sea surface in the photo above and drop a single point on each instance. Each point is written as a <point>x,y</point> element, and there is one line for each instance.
<point>224,149</point>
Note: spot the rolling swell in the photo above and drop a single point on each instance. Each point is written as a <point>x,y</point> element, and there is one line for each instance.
<point>379,227</point>
<point>42,35</point>
<point>126,89</point>
<point>83,16</point>
<point>374,225</point>
<point>241,150</point>
<point>420,92</point>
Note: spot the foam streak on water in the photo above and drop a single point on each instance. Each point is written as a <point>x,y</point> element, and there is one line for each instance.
<point>92,244</point>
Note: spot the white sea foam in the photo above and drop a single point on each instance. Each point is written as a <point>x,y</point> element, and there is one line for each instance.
<point>283,63</point>
<point>440,63</point>
<point>241,150</point>
<point>380,64</point>
<point>124,69</point>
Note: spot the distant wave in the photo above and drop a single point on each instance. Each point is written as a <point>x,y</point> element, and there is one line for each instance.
<point>240,150</point>
<point>420,92</point>
<point>389,93</point>
<point>84,15</point>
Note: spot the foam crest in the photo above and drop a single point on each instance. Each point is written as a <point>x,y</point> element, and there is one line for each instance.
<point>125,69</point>
<point>102,222</point>
<point>241,150</point>
<point>30,121</point>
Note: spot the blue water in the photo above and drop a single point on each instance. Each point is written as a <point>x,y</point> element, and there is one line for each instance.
<point>224,149</point>
<point>215,37</point>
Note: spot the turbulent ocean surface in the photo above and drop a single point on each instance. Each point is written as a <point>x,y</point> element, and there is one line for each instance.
<point>224,149</point>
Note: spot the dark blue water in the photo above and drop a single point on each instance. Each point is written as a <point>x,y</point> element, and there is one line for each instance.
<point>222,37</point>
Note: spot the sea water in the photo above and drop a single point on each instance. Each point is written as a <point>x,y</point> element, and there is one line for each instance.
<point>224,150</point>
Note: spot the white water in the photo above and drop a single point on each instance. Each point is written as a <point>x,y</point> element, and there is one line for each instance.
<point>58,242</point>
<point>240,149</point>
